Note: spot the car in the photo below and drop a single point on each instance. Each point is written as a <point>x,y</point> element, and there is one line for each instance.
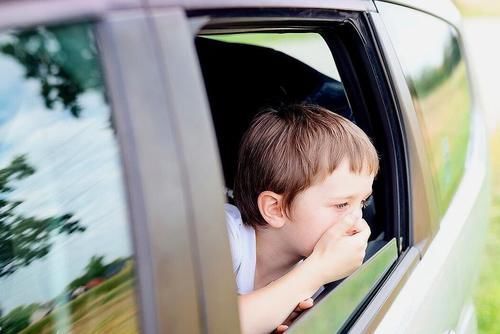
<point>120,123</point>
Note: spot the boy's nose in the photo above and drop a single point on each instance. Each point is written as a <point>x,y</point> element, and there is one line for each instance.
<point>357,213</point>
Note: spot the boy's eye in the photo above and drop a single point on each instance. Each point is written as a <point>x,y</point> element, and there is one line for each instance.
<point>342,205</point>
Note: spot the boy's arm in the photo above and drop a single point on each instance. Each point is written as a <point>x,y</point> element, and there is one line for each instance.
<point>336,255</point>
<point>263,310</point>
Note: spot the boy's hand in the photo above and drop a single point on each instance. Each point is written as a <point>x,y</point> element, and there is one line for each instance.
<point>340,250</point>
<point>303,305</point>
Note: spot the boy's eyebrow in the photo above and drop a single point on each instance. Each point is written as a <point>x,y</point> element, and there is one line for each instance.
<point>352,196</point>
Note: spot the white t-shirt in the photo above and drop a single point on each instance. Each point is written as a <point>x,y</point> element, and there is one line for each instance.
<point>243,249</point>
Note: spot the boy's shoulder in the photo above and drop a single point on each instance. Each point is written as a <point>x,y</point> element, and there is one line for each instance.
<point>238,231</point>
<point>243,248</point>
<point>233,213</point>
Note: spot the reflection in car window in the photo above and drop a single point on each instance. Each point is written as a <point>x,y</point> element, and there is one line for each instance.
<point>433,64</point>
<point>65,256</point>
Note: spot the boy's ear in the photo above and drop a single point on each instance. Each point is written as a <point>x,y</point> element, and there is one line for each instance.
<point>271,208</point>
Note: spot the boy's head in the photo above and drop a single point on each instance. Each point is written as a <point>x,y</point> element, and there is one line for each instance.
<point>287,151</point>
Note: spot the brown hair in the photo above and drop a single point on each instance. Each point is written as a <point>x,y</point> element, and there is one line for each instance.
<point>288,150</point>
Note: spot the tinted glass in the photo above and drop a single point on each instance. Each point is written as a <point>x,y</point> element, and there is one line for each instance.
<point>431,58</point>
<point>66,260</point>
<point>333,311</point>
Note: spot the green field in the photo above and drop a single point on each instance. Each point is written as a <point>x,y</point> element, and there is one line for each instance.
<point>487,295</point>
<point>107,308</point>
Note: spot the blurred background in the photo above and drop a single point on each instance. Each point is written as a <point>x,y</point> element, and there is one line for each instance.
<point>481,29</point>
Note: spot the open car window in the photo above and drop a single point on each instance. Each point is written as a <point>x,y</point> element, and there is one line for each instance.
<point>247,70</point>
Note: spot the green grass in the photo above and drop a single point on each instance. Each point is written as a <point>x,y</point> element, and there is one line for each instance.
<point>487,294</point>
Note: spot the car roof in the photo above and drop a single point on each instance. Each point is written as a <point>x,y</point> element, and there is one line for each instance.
<point>33,9</point>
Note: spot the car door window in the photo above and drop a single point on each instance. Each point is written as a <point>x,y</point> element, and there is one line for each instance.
<point>435,70</point>
<point>66,259</point>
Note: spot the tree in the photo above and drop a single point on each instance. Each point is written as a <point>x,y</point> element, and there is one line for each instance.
<point>24,239</point>
<point>17,319</point>
<point>94,269</point>
<point>63,59</point>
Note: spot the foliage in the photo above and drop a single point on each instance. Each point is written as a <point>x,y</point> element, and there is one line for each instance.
<point>17,319</point>
<point>94,269</point>
<point>433,76</point>
<point>61,59</point>
<point>24,239</point>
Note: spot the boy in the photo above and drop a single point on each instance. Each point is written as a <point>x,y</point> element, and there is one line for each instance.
<point>303,176</point>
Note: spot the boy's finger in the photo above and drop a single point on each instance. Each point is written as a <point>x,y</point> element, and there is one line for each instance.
<point>364,230</point>
<point>359,225</point>
<point>305,304</point>
<point>345,224</point>
<point>281,328</point>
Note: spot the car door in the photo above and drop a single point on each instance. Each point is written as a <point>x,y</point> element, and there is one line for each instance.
<point>96,232</point>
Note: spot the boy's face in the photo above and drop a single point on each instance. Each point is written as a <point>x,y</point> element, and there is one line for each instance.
<point>324,204</point>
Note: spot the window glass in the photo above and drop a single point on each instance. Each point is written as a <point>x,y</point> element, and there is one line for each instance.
<point>431,58</point>
<point>66,263</point>
<point>332,312</point>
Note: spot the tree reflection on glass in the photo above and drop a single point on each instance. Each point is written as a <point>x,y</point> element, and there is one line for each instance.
<point>61,59</point>
<point>65,260</point>
<point>25,239</point>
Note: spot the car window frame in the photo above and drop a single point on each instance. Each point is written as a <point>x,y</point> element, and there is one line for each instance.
<point>162,236</point>
<point>198,155</point>
<point>242,21</point>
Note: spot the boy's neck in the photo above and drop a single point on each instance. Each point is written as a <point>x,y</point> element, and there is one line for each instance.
<point>273,257</point>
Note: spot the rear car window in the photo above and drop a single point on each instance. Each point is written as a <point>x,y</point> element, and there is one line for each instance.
<point>436,73</point>
<point>66,259</point>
